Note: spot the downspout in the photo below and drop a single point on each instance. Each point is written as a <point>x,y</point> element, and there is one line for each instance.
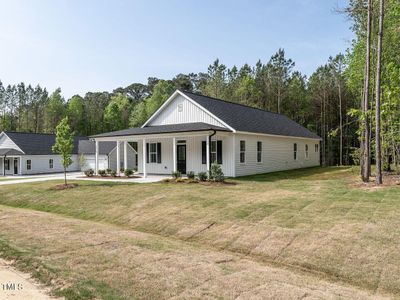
<point>209,145</point>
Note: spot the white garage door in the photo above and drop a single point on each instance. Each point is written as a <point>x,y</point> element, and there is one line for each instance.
<point>90,164</point>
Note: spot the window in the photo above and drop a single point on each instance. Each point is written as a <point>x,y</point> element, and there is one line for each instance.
<point>259,151</point>
<point>242,152</point>
<point>306,151</point>
<point>215,152</point>
<point>153,153</point>
<point>316,147</point>
<point>295,151</point>
<point>7,164</point>
<point>51,163</point>
<point>28,164</point>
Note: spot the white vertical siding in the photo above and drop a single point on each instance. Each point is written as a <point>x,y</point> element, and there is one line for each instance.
<point>277,154</point>
<point>189,113</point>
<point>193,155</point>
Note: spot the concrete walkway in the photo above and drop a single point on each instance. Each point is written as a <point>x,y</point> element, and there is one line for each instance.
<point>18,285</point>
<point>75,176</point>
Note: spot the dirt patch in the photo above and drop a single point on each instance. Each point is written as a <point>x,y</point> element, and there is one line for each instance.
<point>389,179</point>
<point>60,187</point>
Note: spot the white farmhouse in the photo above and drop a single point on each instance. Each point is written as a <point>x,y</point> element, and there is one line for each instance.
<point>190,131</point>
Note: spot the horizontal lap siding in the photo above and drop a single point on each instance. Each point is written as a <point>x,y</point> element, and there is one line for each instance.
<point>190,114</point>
<point>277,154</point>
<point>40,164</point>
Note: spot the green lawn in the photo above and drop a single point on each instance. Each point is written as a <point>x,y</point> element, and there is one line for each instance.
<point>316,222</point>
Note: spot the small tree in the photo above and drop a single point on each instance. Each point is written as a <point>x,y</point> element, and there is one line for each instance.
<point>64,144</point>
<point>82,162</point>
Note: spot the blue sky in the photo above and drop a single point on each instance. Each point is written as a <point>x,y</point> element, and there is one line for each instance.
<point>88,45</point>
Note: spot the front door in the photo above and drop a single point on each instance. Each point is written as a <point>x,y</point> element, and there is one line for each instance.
<point>15,166</point>
<point>181,158</point>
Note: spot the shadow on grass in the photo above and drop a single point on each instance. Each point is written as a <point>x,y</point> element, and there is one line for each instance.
<point>317,173</point>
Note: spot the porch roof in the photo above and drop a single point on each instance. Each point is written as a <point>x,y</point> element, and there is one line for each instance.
<point>173,128</point>
<point>10,151</point>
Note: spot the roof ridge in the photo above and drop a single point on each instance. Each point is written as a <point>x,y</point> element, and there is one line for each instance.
<point>230,102</point>
<point>25,132</point>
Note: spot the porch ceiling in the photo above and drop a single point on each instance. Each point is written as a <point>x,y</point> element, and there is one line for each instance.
<point>10,151</point>
<point>173,128</point>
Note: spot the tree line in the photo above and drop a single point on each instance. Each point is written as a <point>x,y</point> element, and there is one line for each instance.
<point>331,101</point>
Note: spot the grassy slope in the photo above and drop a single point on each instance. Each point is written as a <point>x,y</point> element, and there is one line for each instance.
<point>312,220</point>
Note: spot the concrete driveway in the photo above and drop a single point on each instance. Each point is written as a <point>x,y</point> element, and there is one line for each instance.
<point>74,176</point>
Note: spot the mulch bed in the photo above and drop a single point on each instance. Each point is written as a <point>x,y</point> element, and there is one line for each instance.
<point>110,177</point>
<point>60,187</point>
<point>207,183</point>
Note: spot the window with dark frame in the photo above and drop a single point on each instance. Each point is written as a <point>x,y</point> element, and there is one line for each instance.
<point>259,151</point>
<point>316,147</point>
<point>306,150</point>
<point>295,151</point>
<point>51,163</point>
<point>28,164</point>
<point>242,152</point>
<point>7,164</point>
<point>213,152</point>
<point>153,152</point>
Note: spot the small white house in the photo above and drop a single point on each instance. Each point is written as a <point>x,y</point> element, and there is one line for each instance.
<point>24,153</point>
<point>190,131</point>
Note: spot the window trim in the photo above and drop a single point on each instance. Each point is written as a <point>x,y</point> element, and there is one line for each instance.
<point>153,152</point>
<point>242,151</point>
<point>316,148</point>
<point>259,152</point>
<point>51,163</point>
<point>295,150</point>
<point>28,164</point>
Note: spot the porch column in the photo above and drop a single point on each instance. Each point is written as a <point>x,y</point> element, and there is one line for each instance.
<point>144,158</point>
<point>4,167</point>
<point>174,153</point>
<point>96,162</point>
<point>125,155</point>
<point>118,159</point>
<point>208,152</point>
<point>20,166</point>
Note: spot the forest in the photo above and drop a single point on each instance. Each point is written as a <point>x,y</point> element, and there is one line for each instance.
<point>337,101</point>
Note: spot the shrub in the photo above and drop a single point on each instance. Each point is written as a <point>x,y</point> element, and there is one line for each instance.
<point>89,173</point>
<point>176,175</point>
<point>202,176</point>
<point>128,172</point>
<point>180,179</point>
<point>108,171</point>
<point>190,175</point>
<point>216,173</point>
<point>122,170</point>
<point>114,173</point>
<point>102,173</point>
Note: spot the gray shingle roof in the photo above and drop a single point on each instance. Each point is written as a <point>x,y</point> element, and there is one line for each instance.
<point>9,151</point>
<point>89,147</point>
<point>244,118</point>
<point>186,127</point>
<point>38,143</point>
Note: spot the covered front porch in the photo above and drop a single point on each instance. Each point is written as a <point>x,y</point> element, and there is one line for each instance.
<point>10,162</point>
<point>170,148</point>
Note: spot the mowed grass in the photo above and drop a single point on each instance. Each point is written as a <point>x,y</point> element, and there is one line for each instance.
<point>315,221</point>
